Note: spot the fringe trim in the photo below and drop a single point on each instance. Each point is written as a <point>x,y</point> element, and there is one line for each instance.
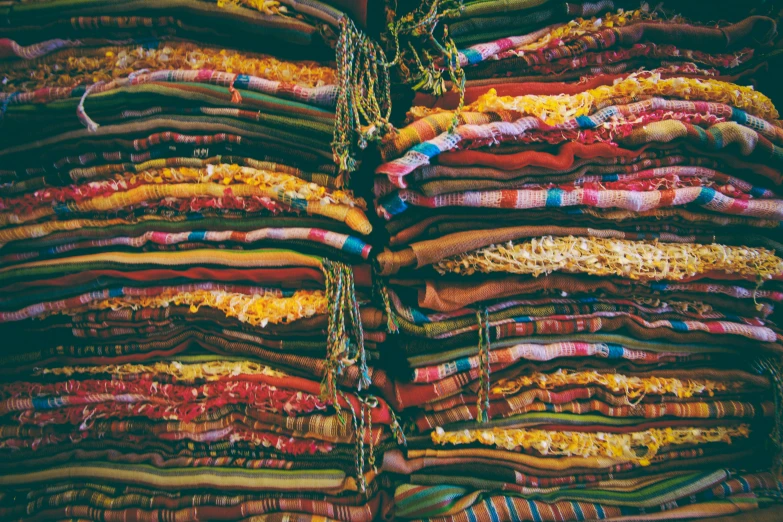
<point>634,388</point>
<point>647,260</point>
<point>182,372</point>
<point>640,447</point>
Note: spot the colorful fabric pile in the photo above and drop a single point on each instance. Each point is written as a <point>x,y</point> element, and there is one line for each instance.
<point>584,264</point>
<point>184,280</point>
<point>442,46</point>
<point>574,311</point>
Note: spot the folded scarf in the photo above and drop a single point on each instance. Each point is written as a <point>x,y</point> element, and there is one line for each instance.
<point>638,200</point>
<point>561,109</point>
<point>752,145</point>
<point>693,497</point>
<point>662,261</point>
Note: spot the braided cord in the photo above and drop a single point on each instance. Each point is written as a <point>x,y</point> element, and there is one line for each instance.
<point>369,403</point>
<point>345,339</point>
<point>484,372</point>
<point>335,343</point>
<point>355,321</point>
<point>392,324</point>
<point>364,96</point>
<point>397,430</point>
<point>359,433</point>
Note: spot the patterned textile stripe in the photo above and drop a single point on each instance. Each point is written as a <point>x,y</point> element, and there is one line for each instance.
<point>246,258</point>
<point>441,501</point>
<point>637,201</point>
<point>345,243</point>
<point>716,138</point>
<point>325,96</point>
<point>178,479</point>
<point>496,125</point>
<point>539,352</point>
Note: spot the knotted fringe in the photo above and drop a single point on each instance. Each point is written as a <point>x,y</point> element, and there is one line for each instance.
<point>483,369</point>
<point>424,70</point>
<point>364,94</point>
<point>345,340</point>
<point>392,324</point>
<point>774,368</point>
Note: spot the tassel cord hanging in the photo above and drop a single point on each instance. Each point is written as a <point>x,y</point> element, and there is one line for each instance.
<point>482,403</point>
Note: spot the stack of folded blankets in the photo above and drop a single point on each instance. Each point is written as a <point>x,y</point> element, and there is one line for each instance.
<point>184,277</point>
<point>586,277</point>
<point>441,44</point>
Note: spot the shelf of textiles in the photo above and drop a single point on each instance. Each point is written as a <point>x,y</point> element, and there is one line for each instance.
<point>185,287</point>
<point>584,265</point>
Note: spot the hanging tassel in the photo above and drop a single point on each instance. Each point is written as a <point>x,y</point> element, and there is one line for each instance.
<point>363,106</point>
<point>392,324</point>
<point>483,355</point>
<point>355,323</point>
<point>773,368</point>
<point>81,113</point>
<point>419,26</point>
<point>336,343</point>
<point>456,72</point>
<point>88,122</point>
<point>360,435</point>
<point>364,94</point>
<point>345,115</point>
<point>345,326</point>
<point>397,430</point>
<point>359,430</point>
<point>369,403</point>
<point>236,96</point>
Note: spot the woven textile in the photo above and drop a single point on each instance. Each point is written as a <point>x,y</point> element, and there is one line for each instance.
<point>186,299</point>
<point>583,268</point>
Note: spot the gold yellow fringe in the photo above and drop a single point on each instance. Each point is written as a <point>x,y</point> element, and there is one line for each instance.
<point>227,174</point>
<point>641,446</point>
<point>268,7</point>
<point>582,26</point>
<point>183,372</point>
<point>618,257</point>
<point>557,109</point>
<point>319,200</point>
<point>258,310</point>
<point>67,69</point>
<point>632,387</point>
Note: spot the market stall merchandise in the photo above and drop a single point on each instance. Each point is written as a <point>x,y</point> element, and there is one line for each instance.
<point>185,287</point>
<point>584,265</point>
